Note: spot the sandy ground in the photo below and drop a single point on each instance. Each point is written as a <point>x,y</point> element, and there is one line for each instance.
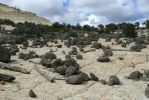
<point>129,90</point>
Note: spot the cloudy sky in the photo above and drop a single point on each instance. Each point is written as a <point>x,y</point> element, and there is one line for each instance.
<point>91,12</point>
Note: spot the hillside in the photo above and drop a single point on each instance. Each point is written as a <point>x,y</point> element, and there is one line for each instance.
<point>17,15</point>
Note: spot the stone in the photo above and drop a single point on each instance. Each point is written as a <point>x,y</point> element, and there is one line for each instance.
<point>71,70</point>
<point>61,70</point>
<point>136,75</point>
<point>32,94</point>
<point>103,81</point>
<point>75,79</point>
<point>146,73</point>
<point>96,45</point>
<point>79,56</point>
<point>73,51</point>
<point>147,91</point>
<point>85,76</point>
<point>114,80</point>
<point>103,59</point>
<point>123,44</point>
<point>94,77</point>
<point>121,58</point>
<point>108,52</point>
<point>49,55</point>
<point>5,55</point>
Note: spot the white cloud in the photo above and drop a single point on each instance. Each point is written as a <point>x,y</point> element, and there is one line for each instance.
<point>91,12</point>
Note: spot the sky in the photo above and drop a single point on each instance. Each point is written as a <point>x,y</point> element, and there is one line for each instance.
<point>92,12</point>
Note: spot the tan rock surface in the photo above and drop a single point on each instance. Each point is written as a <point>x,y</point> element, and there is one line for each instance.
<point>129,90</point>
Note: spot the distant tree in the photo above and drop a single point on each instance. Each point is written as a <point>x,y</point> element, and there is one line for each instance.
<point>56,27</point>
<point>101,28</point>
<point>129,30</point>
<point>147,24</point>
<point>87,27</point>
<point>78,26</point>
<point>121,25</point>
<point>111,27</point>
<point>137,25</point>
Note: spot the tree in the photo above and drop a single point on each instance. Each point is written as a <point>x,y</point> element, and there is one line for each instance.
<point>87,27</point>
<point>111,27</point>
<point>101,28</point>
<point>78,26</point>
<point>129,30</point>
<point>147,24</point>
<point>137,25</point>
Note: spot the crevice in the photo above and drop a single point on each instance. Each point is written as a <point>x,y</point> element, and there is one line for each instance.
<point>79,92</point>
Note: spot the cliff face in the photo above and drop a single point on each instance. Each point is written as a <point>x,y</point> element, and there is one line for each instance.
<point>17,15</point>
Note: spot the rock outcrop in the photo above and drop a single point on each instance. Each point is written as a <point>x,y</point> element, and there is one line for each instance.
<point>18,15</point>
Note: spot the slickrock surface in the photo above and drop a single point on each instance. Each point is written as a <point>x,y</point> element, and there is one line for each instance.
<point>129,90</point>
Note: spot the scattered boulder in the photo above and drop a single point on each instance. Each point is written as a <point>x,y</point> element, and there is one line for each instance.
<point>75,79</point>
<point>103,81</point>
<point>121,58</point>
<point>96,45</point>
<point>94,77</point>
<point>147,91</point>
<point>71,62</point>
<point>146,73</point>
<point>46,60</point>
<point>13,49</point>
<point>85,76</point>
<point>114,80</point>
<point>61,69</point>
<point>73,51</point>
<point>79,56</point>
<point>32,94</point>
<point>108,52</point>
<point>136,75</point>
<point>137,47</point>
<point>123,44</point>
<point>103,59</point>
<point>57,62</point>
<point>5,55</point>
<point>81,48</point>
<point>59,46</point>
<point>71,70</point>
<point>49,55</point>
<point>27,56</point>
<point>68,56</point>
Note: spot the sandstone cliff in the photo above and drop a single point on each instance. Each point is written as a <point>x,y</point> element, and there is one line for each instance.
<point>17,15</point>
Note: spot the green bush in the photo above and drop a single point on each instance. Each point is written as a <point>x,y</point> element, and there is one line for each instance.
<point>6,22</point>
<point>129,30</point>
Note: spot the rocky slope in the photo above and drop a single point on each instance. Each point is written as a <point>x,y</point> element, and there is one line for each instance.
<point>17,15</point>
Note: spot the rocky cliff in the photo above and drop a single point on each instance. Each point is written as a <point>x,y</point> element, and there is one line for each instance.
<point>18,15</point>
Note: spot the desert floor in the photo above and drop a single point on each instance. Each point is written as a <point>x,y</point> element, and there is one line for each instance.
<point>129,90</point>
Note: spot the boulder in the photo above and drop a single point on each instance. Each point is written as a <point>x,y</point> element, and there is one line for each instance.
<point>5,55</point>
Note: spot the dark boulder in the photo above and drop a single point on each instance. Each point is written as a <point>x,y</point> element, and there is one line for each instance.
<point>103,59</point>
<point>5,55</point>
<point>146,73</point>
<point>61,69</point>
<point>136,75</point>
<point>79,56</point>
<point>75,79</point>
<point>96,45</point>
<point>94,77</point>
<point>71,70</point>
<point>108,52</point>
<point>114,80</point>
<point>32,94</point>
<point>147,91</point>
